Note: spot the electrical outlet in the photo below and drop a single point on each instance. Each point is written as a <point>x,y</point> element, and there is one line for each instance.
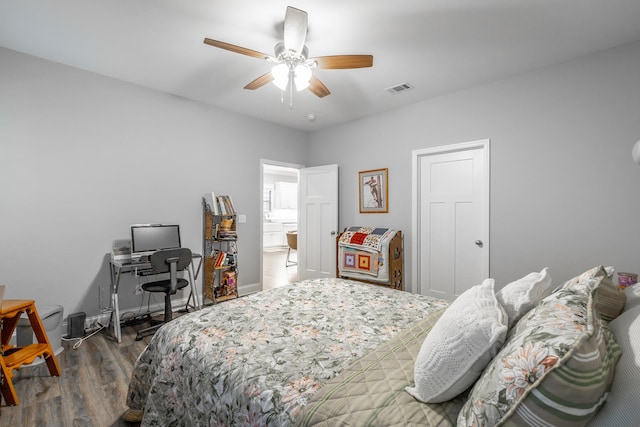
<point>138,289</point>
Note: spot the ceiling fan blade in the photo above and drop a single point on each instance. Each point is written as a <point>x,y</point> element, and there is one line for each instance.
<point>295,29</point>
<point>318,88</point>
<point>238,49</point>
<point>260,81</point>
<point>338,62</point>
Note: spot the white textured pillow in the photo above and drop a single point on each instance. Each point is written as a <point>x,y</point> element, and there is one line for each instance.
<point>633,296</point>
<point>518,297</point>
<point>463,341</point>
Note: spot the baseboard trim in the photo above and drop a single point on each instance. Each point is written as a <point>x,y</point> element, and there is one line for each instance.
<point>93,322</point>
<point>251,288</point>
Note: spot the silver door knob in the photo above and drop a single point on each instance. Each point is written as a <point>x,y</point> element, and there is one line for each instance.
<point>333,233</point>
<point>479,243</point>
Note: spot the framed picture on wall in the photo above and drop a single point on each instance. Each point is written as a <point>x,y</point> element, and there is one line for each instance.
<point>373,191</point>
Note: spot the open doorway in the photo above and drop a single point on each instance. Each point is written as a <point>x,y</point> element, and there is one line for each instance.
<point>279,201</point>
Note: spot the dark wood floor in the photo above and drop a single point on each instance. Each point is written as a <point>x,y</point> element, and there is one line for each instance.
<point>92,388</point>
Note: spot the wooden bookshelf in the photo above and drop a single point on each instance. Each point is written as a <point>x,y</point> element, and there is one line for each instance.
<point>220,276</point>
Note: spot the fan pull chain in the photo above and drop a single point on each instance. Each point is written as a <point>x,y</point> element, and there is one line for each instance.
<point>290,94</point>
<point>291,87</point>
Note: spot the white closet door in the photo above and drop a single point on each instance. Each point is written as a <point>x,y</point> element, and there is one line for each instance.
<point>450,219</point>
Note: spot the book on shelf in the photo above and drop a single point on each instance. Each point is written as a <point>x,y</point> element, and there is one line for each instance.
<point>220,205</point>
<point>230,260</point>
<point>212,203</point>
<point>227,234</point>
<point>224,259</point>
<point>226,204</point>
<point>220,259</point>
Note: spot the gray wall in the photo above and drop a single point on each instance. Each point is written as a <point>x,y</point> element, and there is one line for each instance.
<point>83,156</point>
<point>564,190</point>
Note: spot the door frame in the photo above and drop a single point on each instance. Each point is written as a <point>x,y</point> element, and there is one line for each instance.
<point>264,162</point>
<point>416,155</point>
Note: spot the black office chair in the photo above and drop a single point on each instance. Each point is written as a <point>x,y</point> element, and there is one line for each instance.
<point>166,261</point>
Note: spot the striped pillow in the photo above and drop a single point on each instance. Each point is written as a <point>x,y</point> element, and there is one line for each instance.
<point>622,406</point>
<point>556,367</point>
<point>609,299</point>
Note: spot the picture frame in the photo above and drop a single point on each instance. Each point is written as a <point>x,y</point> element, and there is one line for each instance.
<point>373,191</point>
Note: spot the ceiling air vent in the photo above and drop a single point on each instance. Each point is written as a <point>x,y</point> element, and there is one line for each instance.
<point>402,87</point>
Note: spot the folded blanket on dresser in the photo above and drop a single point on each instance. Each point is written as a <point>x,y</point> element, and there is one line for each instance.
<point>371,391</point>
<point>365,238</point>
<point>363,252</point>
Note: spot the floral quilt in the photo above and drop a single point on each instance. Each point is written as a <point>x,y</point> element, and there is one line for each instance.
<point>258,359</point>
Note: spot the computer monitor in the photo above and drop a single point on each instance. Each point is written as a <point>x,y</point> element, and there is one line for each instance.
<point>148,238</point>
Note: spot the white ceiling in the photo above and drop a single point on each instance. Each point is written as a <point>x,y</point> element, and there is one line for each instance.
<point>437,46</point>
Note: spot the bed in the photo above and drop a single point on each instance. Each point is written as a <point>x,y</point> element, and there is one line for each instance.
<point>331,352</point>
<point>257,360</point>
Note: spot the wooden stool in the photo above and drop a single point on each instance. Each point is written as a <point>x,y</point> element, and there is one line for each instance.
<point>13,357</point>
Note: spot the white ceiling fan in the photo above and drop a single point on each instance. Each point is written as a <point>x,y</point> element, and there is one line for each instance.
<point>293,67</point>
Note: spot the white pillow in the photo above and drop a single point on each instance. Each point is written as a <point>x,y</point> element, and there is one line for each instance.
<point>633,296</point>
<point>621,407</point>
<point>518,297</point>
<point>462,342</point>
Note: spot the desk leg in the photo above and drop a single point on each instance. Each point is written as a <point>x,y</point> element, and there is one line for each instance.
<point>195,285</point>
<point>115,284</point>
<point>194,290</point>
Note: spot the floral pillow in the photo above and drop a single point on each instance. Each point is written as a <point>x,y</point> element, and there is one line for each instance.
<point>599,271</point>
<point>555,368</point>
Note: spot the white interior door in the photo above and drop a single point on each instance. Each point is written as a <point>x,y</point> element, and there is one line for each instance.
<point>450,219</point>
<point>318,226</point>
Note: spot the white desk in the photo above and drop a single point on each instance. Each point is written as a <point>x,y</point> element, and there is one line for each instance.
<point>118,267</point>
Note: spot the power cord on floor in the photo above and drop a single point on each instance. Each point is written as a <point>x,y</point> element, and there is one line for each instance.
<point>81,340</point>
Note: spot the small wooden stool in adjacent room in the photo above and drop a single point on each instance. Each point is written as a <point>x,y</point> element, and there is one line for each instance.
<point>292,241</point>
<point>13,357</point>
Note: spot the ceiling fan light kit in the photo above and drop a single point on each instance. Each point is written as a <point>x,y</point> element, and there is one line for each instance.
<point>292,68</point>
<point>280,75</point>
<point>301,77</point>
<point>283,76</point>
<point>293,65</point>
